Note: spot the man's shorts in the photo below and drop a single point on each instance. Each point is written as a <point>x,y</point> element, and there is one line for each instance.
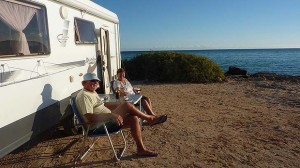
<point>111,126</point>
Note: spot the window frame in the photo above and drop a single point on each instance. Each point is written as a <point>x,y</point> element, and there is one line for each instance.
<point>78,37</point>
<point>45,38</point>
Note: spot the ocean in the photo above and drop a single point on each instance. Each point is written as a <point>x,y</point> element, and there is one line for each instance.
<point>279,61</point>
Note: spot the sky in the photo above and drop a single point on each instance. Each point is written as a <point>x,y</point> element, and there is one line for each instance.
<point>206,24</point>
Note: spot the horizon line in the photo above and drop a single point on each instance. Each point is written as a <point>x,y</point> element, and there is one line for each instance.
<point>211,49</point>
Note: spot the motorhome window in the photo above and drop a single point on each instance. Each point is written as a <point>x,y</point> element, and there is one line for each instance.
<point>23,29</point>
<point>85,31</point>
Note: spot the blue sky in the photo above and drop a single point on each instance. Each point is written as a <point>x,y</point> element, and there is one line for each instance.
<point>206,24</point>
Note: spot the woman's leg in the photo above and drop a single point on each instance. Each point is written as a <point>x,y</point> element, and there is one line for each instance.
<point>148,101</point>
<point>147,105</point>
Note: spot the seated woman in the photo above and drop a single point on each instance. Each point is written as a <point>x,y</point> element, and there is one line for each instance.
<point>122,85</point>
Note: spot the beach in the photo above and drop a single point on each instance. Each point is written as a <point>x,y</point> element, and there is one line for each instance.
<point>243,122</point>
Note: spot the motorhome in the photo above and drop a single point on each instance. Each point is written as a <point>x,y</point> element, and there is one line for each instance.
<point>45,48</point>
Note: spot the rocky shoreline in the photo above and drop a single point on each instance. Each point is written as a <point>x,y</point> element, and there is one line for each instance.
<point>239,73</point>
<point>266,76</point>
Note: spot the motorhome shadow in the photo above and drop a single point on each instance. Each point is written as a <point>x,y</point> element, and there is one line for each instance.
<point>45,48</point>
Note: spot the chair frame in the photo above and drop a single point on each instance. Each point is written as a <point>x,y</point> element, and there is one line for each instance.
<point>86,132</point>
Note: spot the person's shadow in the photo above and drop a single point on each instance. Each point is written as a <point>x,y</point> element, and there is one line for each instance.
<point>44,127</point>
<point>42,124</point>
<point>48,113</point>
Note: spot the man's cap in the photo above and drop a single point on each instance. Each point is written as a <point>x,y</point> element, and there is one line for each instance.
<point>90,76</point>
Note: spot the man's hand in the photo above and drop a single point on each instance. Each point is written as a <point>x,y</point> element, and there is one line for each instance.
<point>118,119</point>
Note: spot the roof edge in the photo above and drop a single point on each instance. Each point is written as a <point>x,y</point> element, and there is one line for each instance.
<point>91,8</point>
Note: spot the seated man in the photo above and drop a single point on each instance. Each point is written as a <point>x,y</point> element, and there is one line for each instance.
<point>94,110</point>
<point>122,85</point>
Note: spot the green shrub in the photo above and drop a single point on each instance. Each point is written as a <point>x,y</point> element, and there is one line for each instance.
<point>173,67</point>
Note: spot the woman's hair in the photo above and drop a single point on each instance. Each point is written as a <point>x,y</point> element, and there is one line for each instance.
<point>120,70</point>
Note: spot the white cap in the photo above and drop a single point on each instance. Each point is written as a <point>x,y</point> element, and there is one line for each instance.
<point>90,76</point>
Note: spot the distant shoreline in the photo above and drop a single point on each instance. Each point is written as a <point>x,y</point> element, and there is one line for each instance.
<point>210,49</point>
<point>276,60</point>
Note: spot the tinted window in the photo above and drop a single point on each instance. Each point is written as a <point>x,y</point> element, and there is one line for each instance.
<point>85,31</point>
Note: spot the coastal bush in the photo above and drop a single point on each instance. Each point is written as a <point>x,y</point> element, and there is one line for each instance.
<point>173,67</point>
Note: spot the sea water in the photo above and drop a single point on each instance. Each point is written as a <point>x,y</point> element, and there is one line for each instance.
<point>279,61</point>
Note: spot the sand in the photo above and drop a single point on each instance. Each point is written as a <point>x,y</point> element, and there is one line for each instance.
<point>239,123</point>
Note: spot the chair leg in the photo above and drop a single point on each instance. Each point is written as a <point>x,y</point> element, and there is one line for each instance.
<point>112,146</point>
<point>83,150</point>
<point>89,149</point>
<point>125,144</point>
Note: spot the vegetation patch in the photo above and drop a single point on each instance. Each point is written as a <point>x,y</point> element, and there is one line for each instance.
<point>173,67</point>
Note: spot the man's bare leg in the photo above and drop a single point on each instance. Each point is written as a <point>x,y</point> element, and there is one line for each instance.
<point>136,133</point>
<point>127,108</point>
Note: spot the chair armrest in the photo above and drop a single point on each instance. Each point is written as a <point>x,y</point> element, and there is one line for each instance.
<point>137,90</point>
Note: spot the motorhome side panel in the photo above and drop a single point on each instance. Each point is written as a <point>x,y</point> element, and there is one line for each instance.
<point>35,88</point>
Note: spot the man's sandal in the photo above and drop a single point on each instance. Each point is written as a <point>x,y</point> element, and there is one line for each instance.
<point>159,120</point>
<point>148,154</point>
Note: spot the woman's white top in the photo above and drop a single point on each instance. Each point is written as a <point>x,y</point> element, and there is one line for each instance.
<point>126,87</point>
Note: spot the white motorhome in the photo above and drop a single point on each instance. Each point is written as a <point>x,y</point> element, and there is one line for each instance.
<point>45,48</point>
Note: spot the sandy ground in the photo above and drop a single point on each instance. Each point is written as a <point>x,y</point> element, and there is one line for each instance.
<point>239,123</point>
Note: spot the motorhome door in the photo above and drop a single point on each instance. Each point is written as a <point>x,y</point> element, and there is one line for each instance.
<point>105,62</point>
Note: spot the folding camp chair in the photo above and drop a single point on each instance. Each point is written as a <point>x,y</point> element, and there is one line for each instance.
<point>86,132</point>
